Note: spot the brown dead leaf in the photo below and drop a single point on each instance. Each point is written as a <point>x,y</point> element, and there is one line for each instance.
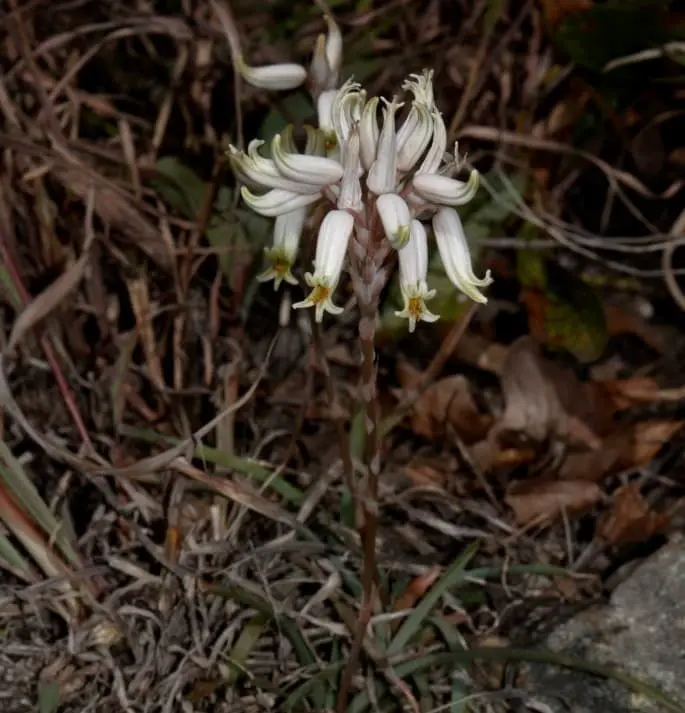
<point>620,320</point>
<point>51,297</point>
<point>417,588</point>
<point>545,400</point>
<point>533,410</point>
<point>555,11</point>
<point>632,519</point>
<point>542,499</point>
<point>488,455</point>
<point>426,476</point>
<point>446,402</point>
<point>649,437</point>
<point>625,393</point>
<point>629,446</point>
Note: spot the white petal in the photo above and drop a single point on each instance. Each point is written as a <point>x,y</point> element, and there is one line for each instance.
<point>331,248</point>
<point>455,255</point>
<point>331,245</point>
<point>273,77</point>
<point>413,137</point>
<point>350,196</point>
<point>394,214</point>
<point>444,190</point>
<point>288,230</point>
<point>369,132</point>
<point>347,109</point>
<point>317,170</point>
<point>383,173</point>
<point>277,201</point>
<point>324,110</point>
<point>413,257</point>
<point>421,86</point>
<point>436,151</point>
<point>263,174</point>
<point>334,46</point>
<point>415,310</point>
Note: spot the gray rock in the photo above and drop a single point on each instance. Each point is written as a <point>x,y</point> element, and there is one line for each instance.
<point>641,631</point>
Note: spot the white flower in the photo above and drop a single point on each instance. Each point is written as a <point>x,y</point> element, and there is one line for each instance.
<point>273,77</point>
<point>413,259</point>
<point>333,47</point>
<point>313,170</point>
<point>382,175</point>
<point>454,252</point>
<point>331,247</point>
<point>415,133</point>
<point>394,214</point>
<point>444,190</point>
<point>281,256</point>
<point>277,201</point>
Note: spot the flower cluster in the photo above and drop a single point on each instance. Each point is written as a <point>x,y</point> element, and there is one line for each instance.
<point>377,178</point>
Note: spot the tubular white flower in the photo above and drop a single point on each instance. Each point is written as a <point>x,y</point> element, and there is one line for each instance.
<point>416,132</point>
<point>369,132</point>
<point>273,77</point>
<point>382,175</point>
<point>331,247</point>
<point>394,214</point>
<point>325,67</point>
<point>255,170</point>
<point>350,196</point>
<point>413,259</point>
<point>277,201</point>
<point>455,255</point>
<point>444,190</point>
<point>281,256</point>
<point>333,47</point>
<point>316,170</point>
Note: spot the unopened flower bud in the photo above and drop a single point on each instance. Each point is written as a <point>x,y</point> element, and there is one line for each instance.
<point>394,214</point>
<point>273,77</point>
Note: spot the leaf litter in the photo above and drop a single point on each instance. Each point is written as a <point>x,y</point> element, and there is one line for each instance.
<point>194,535</point>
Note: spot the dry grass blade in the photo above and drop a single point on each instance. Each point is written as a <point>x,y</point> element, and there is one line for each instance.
<point>31,538</point>
<point>52,296</point>
<point>140,301</point>
<point>116,210</point>
<point>244,466</point>
<point>23,489</point>
<point>11,560</point>
<point>236,492</point>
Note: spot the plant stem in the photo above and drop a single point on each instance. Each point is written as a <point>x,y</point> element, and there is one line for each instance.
<point>336,412</point>
<point>367,513</point>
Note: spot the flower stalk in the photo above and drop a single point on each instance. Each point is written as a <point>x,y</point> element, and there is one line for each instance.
<point>376,181</point>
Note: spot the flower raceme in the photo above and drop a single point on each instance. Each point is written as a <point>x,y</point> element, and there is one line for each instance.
<point>379,181</point>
